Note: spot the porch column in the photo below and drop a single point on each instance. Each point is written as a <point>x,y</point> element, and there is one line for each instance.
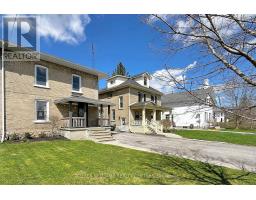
<point>144,119</point>
<point>154,115</point>
<point>86,114</point>
<point>109,115</point>
<point>70,114</point>
<point>101,115</point>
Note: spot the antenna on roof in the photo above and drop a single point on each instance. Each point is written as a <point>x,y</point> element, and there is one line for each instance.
<point>93,56</point>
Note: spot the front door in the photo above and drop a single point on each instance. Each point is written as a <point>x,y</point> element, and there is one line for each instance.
<point>122,124</point>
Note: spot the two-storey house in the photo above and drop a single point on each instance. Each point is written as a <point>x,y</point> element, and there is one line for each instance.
<point>33,94</point>
<point>137,106</point>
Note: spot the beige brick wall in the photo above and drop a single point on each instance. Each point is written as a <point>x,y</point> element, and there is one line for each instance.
<point>21,93</point>
<point>115,99</point>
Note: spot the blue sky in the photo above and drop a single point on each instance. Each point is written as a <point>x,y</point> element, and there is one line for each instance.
<point>116,38</point>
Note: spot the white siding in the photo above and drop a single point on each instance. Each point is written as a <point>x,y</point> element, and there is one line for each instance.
<point>199,116</point>
<point>117,81</point>
<point>140,80</point>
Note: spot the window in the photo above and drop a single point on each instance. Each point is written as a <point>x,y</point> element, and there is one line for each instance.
<point>152,98</point>
<point>113,114</point>
<point>145,97</point>
<point>110,95</point>
<point>42,110</point>
<point>41,76</point>
<point>155,99</point>
<point>167,116</point>
<point>76,83</point>
<point>145,81</point>
<point>112,82</point>
<point>139,97</point>
<point>121,102</point>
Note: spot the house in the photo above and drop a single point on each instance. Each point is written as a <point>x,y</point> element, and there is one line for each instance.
<point>36,93</point>
<point>193,109</point>
<point>137,105</point>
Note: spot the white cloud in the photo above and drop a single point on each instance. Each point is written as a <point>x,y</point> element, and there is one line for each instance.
<point>63,28</point>
<point>162,79</point>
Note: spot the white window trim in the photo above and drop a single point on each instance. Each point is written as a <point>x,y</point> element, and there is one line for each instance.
<point>47,109</point>
<point>47,81</point>
<point>80,84</point>
<point>119,102</point>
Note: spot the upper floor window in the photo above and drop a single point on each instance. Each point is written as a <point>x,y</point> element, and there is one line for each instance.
<point>152,98</point>
<point>76,83</point>
<point>139,97</point>
<point>145,97</point>
<point>112,81</point>
<point>145,81</point>
<point>42,110</point>
<point>155,99</point>
<point>41,76</point>
<point>121,102</point>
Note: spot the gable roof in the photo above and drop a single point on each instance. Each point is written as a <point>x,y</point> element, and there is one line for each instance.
<point>66,63</point>
<point>140,74</point>
<point>130,83</point>
<point>186,99</point>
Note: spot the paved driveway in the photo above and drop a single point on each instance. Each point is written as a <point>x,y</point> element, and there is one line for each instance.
<point>229,155</point>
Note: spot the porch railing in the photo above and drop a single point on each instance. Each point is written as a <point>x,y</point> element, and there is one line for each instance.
<point>76,122</point>
<point>136,123</point>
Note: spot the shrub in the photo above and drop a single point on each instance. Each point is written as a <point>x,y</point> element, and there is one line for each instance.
<point>166,124</point>
<point>42,135</point>
<point>28,135</point>
<point>14,137</point>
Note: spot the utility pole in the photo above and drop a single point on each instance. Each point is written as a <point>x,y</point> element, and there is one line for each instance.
<point>93,56</point>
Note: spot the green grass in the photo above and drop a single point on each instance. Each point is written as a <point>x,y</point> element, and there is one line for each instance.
<point>228,137</point>
<point>240,130</point>
<point>85,162</point>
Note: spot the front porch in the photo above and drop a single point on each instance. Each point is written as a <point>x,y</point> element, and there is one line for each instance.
<point>146,117</point>
<point>82,112</point>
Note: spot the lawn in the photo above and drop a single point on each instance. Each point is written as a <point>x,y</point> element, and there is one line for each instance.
<point>229,137</point>
<point>86,162</point>
<point>240,130</point>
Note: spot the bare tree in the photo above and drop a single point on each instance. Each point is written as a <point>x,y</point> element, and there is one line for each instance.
<point>224,46</point>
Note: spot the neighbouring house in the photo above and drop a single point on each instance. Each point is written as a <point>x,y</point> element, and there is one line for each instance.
<point>192,110</point>
<point>137,105</point>
<point>38,93</point>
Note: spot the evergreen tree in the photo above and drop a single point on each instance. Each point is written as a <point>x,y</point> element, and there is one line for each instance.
<point>120,70</point>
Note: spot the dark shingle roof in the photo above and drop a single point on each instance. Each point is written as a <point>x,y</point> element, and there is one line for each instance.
<point>131,83</point>
<point>186,99</point>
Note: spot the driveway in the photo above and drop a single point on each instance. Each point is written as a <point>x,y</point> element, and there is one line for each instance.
<point>220,153</point>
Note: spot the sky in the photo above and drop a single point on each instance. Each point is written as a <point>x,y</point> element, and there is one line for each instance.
<point>115,38</point>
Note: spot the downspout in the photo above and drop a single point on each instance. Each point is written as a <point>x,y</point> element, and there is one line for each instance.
<point>3,96</point>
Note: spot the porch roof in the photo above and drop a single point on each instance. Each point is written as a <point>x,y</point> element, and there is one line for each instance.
<point>82,99</point>
<point>149,105</point>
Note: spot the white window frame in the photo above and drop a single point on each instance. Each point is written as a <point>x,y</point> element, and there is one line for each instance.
<point>47,77</point>
<point>47,110</point>
<point>120,101</point>
<point>80,84</point>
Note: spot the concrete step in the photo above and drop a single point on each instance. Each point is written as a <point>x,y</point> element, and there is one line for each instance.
<point>97,129</point>
<point>106,140</point>
<point>100,134</point>
<point>102,137</point>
